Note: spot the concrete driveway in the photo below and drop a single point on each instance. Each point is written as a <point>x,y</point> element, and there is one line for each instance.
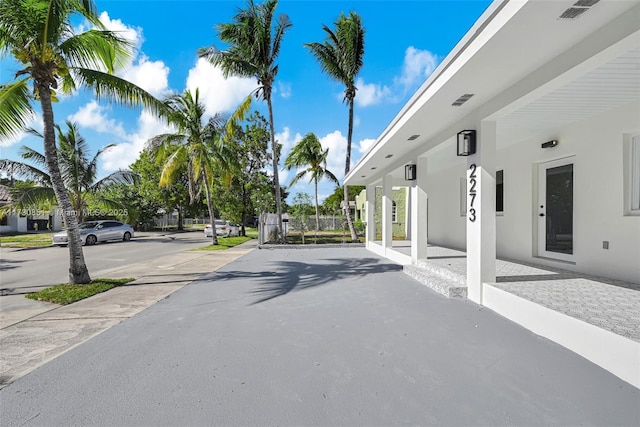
<point>317,337</point>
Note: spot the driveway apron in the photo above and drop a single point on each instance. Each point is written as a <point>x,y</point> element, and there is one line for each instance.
<point>317,337</point>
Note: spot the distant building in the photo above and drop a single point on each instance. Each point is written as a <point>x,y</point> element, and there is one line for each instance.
<point>399,212</point>
<point>27,219</point>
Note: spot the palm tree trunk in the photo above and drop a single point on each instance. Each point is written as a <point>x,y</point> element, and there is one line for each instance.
<point>347,167</point>
<point>317,212</point>
<point>207,191</point>
<point>78,272</point>
<point>243,231</point>
<point>276,177</point>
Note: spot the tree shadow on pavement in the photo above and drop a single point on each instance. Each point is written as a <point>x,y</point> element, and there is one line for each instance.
<point>288,276</point>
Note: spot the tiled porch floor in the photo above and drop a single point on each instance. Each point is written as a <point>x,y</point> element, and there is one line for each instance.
<point>608,304</point>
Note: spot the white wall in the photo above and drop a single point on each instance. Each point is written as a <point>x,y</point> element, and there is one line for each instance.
<point>446,226</point>
<point>597,144</point>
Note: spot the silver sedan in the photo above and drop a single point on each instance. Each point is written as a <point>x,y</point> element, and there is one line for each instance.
<point>92,232</point>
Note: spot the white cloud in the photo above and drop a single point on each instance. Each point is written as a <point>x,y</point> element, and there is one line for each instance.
<point>125,153</point>
<point>133,35</point>
<point>284,89</point>
<point>217,93</point>
<point>370,94</point>
<point>152,76</point>
<point>94,116</point>
<point>365,144</point>
<point>418,65</point>
<point>337,145</point>
<point>287,140</point>
<point>283,176</point>
<point>322,197</point>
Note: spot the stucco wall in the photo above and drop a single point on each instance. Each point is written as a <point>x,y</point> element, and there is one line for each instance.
<point>399,227</point>
<point>597,147</point>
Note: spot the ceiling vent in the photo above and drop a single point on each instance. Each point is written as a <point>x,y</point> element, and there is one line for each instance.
<point>464,98</point>
<point>578,8</point>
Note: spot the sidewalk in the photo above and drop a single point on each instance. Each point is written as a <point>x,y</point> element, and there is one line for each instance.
<point>34,332</point>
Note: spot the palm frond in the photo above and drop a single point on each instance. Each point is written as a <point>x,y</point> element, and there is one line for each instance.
<point>97,49</point>
<point>33,198</point>
<point>298,177</point>
<point>121,176</point>
<point>172,167</point>
<point>12,168</point>
<point>15,109</point>
<point>283,23</point>
<point>119,91</point>
<point>159,142</point>
<point>34,156</point>
<point>237,116</point>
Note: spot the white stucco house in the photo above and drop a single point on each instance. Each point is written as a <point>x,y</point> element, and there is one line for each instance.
<point>25,220</point>
<point>523,144</point>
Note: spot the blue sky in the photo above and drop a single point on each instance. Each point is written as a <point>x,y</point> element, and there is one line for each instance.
<point>404,42</point>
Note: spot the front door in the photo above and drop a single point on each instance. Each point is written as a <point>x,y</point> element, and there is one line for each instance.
<point>555,209</point>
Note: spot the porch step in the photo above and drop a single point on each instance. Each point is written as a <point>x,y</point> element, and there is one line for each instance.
<point>441,280</point>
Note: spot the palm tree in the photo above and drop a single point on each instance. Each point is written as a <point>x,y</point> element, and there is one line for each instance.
<point>39,35</point>
<point>78,171</point>
<point>308,155</point>
<point>253,49</point>
<point>196,144</point>
<point>340,56</point>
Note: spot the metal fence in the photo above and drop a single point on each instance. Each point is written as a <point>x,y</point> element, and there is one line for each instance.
<point>171,221</point>
<point>268,225</point>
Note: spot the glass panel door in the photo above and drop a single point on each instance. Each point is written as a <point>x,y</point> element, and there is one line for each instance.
<point>555,237</point>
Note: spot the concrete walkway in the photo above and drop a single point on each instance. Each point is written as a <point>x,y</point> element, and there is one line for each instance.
<point>317,337</point>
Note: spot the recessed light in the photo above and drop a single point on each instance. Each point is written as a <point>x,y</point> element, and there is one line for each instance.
<point>412,137</point>
<point>388,156</point>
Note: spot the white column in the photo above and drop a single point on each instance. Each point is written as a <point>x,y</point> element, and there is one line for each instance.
<point>370,211</point>
<point>419,212</point>
<point>387,204</point>
<point>481,212</point>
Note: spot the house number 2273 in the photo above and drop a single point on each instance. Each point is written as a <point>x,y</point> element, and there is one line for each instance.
<point>472,192</point>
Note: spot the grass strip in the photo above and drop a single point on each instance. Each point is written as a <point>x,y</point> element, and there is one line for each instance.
<point>224,243</point>
<point>26,240</point>
<point>66,294</point>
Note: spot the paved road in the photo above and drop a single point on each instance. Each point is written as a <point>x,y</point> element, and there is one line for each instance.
<point>317,337</point>
<point>28,270</point>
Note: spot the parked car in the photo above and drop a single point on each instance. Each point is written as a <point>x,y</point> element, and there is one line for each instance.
<point>223,229</point>
<point>234,230</point>
<point>92,232</point>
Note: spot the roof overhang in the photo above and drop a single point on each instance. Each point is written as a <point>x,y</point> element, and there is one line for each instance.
<point>527,69</point>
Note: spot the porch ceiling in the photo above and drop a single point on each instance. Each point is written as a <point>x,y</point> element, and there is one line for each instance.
<point>553,73</point>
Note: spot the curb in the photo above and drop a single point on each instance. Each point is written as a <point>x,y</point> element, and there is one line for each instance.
<point>313,246</point>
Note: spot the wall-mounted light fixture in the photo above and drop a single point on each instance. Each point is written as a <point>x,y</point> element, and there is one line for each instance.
<point>466,142</point>
<point>550,144</point>
<point>410,172</point>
